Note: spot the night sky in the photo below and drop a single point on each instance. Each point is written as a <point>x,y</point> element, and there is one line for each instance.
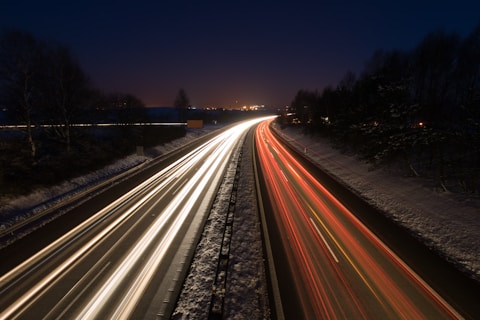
<point>227,53</point>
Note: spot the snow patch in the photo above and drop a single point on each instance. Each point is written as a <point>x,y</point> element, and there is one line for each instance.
<point>246,294</point>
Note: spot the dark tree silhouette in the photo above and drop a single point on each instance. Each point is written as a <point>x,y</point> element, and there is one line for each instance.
<point>182,103</point>
<point>68,92</point>
<point>418,108</point>
<point>181,100</point>
<point>467,73</point>
<point>22,61</point>
<point>42,84</point>
<point>127,108</point>
<point>433,62</point>
<point>304,103</point>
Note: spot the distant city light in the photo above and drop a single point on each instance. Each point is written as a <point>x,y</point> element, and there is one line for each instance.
<point>253,107</point>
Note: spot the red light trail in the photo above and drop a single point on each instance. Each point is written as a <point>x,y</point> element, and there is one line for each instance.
<point>340,268</point>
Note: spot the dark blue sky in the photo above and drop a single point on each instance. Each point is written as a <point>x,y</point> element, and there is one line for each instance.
<point>220,52</point>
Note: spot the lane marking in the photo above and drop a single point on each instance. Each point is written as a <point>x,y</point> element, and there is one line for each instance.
<point>354,266</point>
<point>179,187</point>
<point>324,240</point>
<point>293,170</point>
<point>87,286</point>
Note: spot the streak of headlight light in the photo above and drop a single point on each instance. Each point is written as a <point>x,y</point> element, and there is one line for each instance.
<point>179,169</point>
<point>143,278</point>
<point>35,292</point>
<point>30,296</point>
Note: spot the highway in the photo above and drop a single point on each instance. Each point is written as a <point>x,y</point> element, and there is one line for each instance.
<point>128,259</point>
<point>331,265</point>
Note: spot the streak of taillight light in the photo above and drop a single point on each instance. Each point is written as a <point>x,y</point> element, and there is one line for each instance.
<point>300,201</point>
<point>316,295</point>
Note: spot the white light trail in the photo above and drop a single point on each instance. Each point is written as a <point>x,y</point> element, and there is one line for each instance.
<point>221,149</point>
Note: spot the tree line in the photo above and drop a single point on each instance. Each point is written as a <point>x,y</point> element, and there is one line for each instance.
<point>417,108</point>
<point>43,88</point>
<point>42,83</point>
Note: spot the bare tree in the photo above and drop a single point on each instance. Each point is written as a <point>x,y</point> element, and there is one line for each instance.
<point>181,100</point>
<point>182,103</point>
<point>21,64</point>
<point>68,91</point>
